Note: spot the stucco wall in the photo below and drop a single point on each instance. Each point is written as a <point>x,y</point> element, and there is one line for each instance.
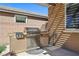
<point>73,42</point>
<point>8,25</point>
<point>35,22</point>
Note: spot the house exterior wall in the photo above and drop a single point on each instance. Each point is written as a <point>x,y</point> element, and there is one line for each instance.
<point>70,39</point>
<point>8,25</point>
<point>35,22</point>
<point>73,42</point>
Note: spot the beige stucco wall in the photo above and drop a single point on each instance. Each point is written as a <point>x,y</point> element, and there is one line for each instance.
<point>73,42</point>
<point>8,25</point>
<point>34,22</point>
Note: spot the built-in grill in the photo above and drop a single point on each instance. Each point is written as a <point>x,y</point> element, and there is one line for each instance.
<point>33,37</point>
<point>32,32</point>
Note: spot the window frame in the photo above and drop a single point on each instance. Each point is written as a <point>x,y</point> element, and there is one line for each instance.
<point>26,20</point>
<point>69,29</point>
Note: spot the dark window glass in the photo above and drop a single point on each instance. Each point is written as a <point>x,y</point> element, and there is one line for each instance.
<point>20,19</point>
<point>72,12</point>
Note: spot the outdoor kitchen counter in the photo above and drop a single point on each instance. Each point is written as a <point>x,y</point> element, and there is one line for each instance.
<point>44,38</point>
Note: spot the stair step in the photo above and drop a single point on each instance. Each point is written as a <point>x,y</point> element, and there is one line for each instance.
<point>61,42</point>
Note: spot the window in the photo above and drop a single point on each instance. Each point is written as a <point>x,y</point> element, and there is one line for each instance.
<point>72,16</point>
<point>20,19</point>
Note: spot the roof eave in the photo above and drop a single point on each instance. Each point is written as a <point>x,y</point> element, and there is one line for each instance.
<point>11,10</point>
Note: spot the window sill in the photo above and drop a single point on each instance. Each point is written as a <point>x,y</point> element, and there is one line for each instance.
<point>72,30</point>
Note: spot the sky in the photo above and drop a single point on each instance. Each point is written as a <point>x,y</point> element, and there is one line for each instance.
<point>28,6</point>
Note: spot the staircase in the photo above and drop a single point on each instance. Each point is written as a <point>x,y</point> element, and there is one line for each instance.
<point>56,24</point>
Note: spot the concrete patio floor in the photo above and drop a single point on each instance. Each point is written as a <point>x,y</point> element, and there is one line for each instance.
<point>39,52</point>
<point>48,51</point>
<point>57,51</point>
